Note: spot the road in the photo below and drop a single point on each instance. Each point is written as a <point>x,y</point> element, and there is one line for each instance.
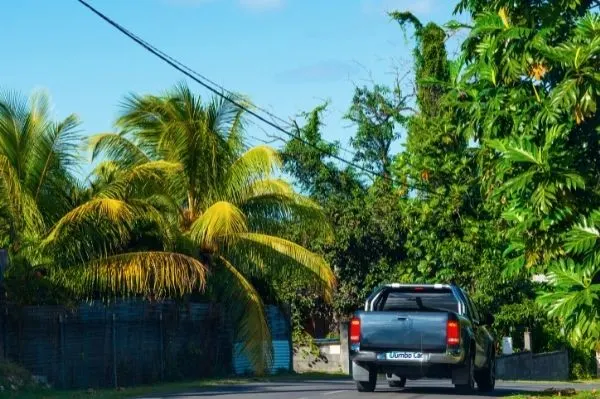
<point>343,389</point>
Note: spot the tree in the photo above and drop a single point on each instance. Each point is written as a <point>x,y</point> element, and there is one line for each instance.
<point>37,161</point>
<point>377,114</point>
<point>53,228</point>
<point>530,95</point>
<point>227,209</point>
<point>447,236</point>
<point>367,235</point>
<point>38,157</point>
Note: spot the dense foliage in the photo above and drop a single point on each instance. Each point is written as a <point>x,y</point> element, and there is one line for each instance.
<point>498,181</point>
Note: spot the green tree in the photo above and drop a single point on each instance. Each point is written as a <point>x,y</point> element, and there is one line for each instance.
<point>530,95</point>
<point>378,116</point>
<point>37,159</point>
<point>222,205</point>
<point>367,235</point>
<point>51,225</point>
<point>448,236</point>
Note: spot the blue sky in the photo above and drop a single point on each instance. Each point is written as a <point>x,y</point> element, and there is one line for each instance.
<point>287,55</point>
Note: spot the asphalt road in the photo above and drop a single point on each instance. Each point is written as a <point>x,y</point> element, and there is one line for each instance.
<point>343,389</point>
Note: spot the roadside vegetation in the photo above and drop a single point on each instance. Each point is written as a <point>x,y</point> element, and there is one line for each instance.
<point>498,182</point>
<point>497,186</point>
<point>554,394</point>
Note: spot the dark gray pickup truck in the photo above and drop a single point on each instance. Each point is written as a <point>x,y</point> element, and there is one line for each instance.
<point>409,331</point>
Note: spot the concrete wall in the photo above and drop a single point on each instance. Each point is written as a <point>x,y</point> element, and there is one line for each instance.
<point>553,366</point>
<point>329,359</point>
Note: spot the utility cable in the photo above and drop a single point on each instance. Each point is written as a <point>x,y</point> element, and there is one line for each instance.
<point>227,95</point>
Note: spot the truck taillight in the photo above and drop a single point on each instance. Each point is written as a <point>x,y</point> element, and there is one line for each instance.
<point>355,330</point>
<point>452,333</point>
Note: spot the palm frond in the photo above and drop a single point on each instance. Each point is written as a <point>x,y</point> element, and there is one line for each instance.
<point>159,274</point>
<point>24,209</point>
<point>117,147</point>
<point>153,171</point>
<point>258,163</point>
<point>117,212</point>
<point>253,328</point>
<point>222,221</point>
<point>274,203</point>
<point>55,151</point>
<point>302,257</point>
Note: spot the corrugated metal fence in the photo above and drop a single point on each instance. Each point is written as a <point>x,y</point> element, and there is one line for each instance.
<point>130,343</point>
<point>282,350</point>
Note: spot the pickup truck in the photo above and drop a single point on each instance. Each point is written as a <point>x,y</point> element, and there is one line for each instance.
<point>410,331</point>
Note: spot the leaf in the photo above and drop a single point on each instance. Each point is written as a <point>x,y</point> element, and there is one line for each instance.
<point>543,197</point>
<point>222,221</point>
<point>252,327</point>
<point>524,152</point>
<point>159,274</point>
<point>117,212</point>
<point>312,262</point>
<point>581,238</point>
<point>118,148</point>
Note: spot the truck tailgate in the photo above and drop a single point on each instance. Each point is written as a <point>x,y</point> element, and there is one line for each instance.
<point>403,331</point>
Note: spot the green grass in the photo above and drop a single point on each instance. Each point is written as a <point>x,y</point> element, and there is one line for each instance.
<point>556,395</point>
<point>175,387</point>
<point>582,382</point>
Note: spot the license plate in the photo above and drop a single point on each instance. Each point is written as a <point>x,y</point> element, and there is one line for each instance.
<point>414,356</point>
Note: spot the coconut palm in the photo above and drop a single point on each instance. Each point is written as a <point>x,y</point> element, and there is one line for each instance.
<point>228,206</point>
<point>37,161</point>
<point>82,236</point>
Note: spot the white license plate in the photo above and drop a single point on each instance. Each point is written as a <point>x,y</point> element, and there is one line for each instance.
<point>414,356</point>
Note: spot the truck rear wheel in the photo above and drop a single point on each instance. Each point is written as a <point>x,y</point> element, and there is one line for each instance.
<point>368,386</point>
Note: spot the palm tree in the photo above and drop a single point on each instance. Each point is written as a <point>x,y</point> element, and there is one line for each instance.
<point>37,159</point>
<point>228,208</point>
<point>82,237</point>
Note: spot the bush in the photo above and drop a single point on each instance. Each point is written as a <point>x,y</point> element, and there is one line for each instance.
<point>514,319</point>
<point>582,364</point>
<point>15,378</point>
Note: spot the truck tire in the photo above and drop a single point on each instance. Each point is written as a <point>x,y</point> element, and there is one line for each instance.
<point>398,384</point>
<point>469,386</point>
<point>367,386</point>
<point>486,378</point>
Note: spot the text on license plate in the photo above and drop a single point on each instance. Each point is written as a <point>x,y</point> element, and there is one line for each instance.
<point>404,356</point>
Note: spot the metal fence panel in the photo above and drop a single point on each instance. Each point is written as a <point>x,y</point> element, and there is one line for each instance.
<point>129,342</point>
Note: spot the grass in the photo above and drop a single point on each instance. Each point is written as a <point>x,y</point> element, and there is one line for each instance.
<point>555,395</point>
<point>126,393</point>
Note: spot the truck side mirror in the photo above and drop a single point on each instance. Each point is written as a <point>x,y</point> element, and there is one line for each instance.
<point>489,319</point>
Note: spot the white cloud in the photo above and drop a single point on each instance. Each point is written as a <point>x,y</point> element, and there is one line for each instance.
<point>261,4</point>
<point>418,7</point>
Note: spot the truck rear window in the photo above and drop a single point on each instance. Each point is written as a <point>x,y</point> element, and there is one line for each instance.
<point>424,300</point>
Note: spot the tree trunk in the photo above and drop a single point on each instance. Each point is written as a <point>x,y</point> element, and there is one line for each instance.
<point>598,363</point>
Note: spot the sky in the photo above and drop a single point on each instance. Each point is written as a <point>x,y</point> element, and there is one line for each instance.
<point>288,56</point>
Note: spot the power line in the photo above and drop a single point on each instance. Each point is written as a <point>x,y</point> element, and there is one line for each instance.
<point>200,79</point>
